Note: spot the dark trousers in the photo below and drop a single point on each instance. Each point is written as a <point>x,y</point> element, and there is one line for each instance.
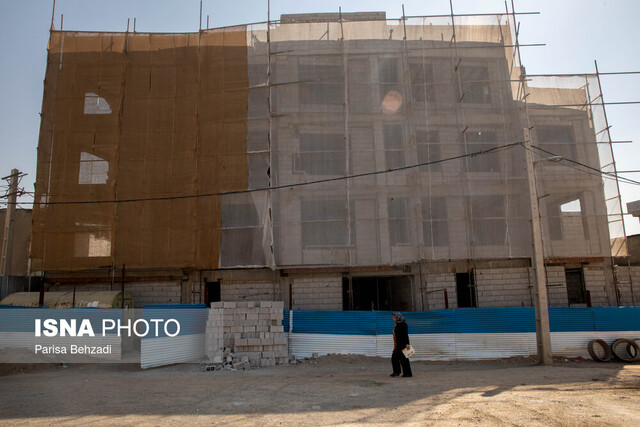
<point>397,360</point>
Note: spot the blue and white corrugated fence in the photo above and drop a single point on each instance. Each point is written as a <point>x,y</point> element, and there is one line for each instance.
<point>478,333</point>
<point>17,331</point>
<point>187,346</point>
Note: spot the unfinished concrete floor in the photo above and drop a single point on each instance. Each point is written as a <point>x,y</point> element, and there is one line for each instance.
<point>334,390</point>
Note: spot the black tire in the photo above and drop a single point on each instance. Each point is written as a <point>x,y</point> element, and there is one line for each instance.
<point>627,355</point>
<point>605,347</point>
<point>633,352</point>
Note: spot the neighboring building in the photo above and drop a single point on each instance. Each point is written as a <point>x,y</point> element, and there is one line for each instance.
<point>16,279</point>
<point>634,208</point>
<point>355,164</point>
<point>21,235</point>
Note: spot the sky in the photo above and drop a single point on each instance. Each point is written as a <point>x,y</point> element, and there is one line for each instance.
<point>575,33</point>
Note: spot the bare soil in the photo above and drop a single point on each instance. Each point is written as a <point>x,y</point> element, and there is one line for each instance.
<point>328,391</point>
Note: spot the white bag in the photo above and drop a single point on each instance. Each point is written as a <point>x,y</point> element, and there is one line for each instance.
<point>408,352</point>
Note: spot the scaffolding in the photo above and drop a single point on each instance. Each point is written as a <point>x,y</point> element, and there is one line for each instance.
<point>344,139</point>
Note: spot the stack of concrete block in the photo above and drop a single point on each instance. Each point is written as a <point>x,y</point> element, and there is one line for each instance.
<point>250,329</point>
<point>214,333</point>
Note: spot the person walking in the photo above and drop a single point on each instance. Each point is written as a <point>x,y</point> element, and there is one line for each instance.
<point>400,342</point>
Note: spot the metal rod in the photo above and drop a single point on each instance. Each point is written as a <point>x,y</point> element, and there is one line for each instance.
<point>134,25</point>
<point>345,109</point>
<point>61,22</point>
<point>624,229</point>
<point>458,80</point>
<point>53,14</point>
<point>122,291</point>
<point>586,104</point>
<point>269,104</point>
<point>200,16</point>
<point>603,130</point>
<point>41,297</point>
<point>421,286</point>
<point>128,21</point>
<point>613,73</point>
<point>207,21</point>
<point>473,14</point>
<point>404,23</point>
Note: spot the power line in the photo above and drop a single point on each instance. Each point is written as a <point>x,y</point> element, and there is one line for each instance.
<point>598,174</point>
<point>606,174</point>
<point>592,171</point>
<point>280,187</point>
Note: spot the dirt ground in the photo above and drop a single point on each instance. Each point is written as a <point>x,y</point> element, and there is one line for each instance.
<point>331,390</point>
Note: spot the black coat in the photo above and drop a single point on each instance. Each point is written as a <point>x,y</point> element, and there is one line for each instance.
<point>401,333</point>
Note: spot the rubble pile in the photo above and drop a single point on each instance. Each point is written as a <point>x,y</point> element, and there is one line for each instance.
<point>229,362</point>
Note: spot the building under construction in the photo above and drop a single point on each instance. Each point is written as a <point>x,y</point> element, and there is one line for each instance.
<point>340,161</point>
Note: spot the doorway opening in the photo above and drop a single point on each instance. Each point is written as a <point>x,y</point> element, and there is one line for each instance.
<point>576,292</point>
<point>466,290</point>
<point>377,293</point>
<point>211,292</point>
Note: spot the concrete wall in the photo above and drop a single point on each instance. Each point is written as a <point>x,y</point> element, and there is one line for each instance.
<point>317,292</point>
<point>247,291</point>
<point>433,290</point>
<point>594,282</point>
<point>143,293</point>
<point>503,287</point>
<point>626,284</point>
<point>496,286</point>
<point>633,246</point>
<point>556,286</point>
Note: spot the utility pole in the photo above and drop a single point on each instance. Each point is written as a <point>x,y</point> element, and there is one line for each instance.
<point>7,237</point>
<point>543,333</point>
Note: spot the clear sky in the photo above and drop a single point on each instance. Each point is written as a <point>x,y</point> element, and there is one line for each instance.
<point>576,32</point>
